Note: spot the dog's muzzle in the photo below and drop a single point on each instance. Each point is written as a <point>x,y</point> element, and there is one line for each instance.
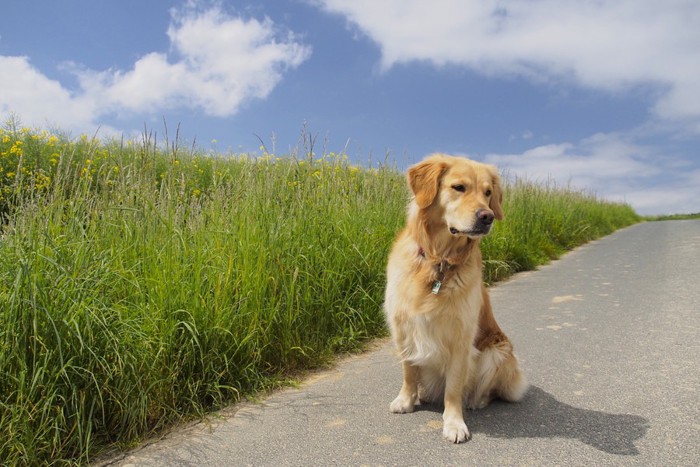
<point>482,224</point>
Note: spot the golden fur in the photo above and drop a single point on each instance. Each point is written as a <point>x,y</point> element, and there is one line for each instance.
<point>449,342</point>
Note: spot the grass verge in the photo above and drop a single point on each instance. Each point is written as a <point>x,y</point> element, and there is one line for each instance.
<point>142,285</point>
<point>674,217</point>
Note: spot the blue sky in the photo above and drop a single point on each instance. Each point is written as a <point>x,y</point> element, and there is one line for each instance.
<point>602,95</point>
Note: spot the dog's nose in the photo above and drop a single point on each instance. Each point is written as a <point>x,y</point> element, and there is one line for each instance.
<point>485,216</point>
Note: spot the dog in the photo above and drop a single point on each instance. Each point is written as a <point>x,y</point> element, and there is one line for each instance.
<point>436,305</point>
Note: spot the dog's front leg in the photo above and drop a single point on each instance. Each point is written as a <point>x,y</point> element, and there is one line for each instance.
<point>453,427</point>
<point>408,396</point>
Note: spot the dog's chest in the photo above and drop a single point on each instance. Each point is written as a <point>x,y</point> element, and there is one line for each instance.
<point>443,324</point>
<point>450,308</point>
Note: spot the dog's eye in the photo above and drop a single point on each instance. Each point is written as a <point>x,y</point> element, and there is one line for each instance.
<point>460,188</point>
<point>488,192</point>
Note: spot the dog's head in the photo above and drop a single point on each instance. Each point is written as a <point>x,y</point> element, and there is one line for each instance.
<point>464,195</point>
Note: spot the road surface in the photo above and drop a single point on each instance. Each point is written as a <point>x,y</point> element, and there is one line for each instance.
<point>608,336</point>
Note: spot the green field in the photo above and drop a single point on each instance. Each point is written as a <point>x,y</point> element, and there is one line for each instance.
<point>674,217</point>
<point>142,284</point>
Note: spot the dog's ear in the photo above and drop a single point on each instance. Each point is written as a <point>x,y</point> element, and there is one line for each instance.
<point>424,180</point>
<point>496,203</point>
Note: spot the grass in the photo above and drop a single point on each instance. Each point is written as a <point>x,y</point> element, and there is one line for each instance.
<point>143,284</point>
<point>542,222</point>
<point>674,217</point>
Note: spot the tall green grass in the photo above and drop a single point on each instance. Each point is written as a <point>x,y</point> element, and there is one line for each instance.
<point>543,220</point>
<point>142,284</point>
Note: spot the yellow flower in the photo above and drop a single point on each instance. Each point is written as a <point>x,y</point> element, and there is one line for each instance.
<point>16,148</point>
<point>42,181</point>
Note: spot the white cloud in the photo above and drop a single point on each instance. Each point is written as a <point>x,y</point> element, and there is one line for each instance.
<point>614,168</point>
<point>647,46</point>
<point>606,44</point>
<point>29,94</point>
<point>217,63</point>
<point>600,157</point>
<point>221,62</point>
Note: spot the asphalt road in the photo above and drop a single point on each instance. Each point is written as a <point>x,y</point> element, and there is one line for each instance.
<point>608,336</point>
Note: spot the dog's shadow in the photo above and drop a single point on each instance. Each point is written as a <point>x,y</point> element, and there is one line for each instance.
<point>540,415</point>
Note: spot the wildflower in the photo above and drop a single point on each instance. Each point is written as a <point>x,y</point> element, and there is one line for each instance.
<point>16,148</point>
<point>42,181</point>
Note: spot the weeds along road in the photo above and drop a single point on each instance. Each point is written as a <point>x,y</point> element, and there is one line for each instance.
<point>608,336</point>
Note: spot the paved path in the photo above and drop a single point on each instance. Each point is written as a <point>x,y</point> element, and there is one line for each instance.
<point>609,337</point>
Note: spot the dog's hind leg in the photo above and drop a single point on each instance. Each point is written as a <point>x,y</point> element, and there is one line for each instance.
<point>497,375</point>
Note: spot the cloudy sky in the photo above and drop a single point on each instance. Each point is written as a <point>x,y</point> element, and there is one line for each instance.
<point>602,95</point>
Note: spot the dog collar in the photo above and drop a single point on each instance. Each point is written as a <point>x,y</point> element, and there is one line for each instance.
<point>442,267</point>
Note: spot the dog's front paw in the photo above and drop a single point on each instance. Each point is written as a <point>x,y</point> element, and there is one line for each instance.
<point>456,431</point>
<point>402,404</point>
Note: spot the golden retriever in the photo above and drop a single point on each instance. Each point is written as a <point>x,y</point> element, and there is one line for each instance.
<point>436,305</point>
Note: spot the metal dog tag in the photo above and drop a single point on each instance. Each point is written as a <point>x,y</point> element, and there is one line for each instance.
<point>436,287</point>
